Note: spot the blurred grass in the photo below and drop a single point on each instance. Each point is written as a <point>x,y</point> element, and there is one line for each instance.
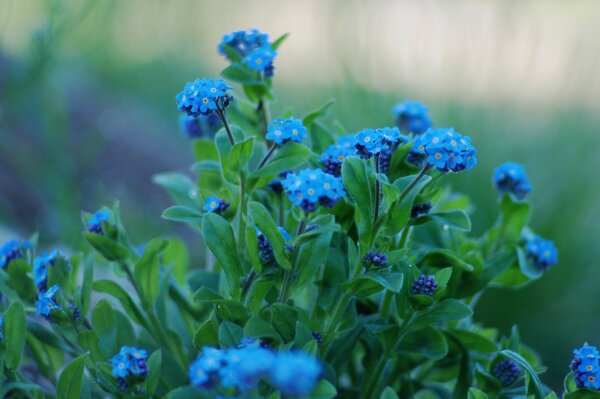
<point>83,124</point>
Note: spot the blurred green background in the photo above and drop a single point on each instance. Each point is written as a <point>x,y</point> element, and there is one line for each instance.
<point>87,114</point>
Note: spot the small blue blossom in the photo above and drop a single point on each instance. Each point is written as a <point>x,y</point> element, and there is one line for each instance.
<point>507,371</point>
<point>541,252</point>
<point>245,367</point>
<point>40,269</point>
<point>215,204</point>
<point>377,259</point>
<point>244,42</point>
<point>424,285</point>
<point>335,154</point>
<point>510,177</point>
<point>46,302</point>
<point>412,117</point>
<point>11,250</point>
<point>310,187</point>
<point>586,368</point>
<point>199,126</point>
<point>130,362</point>
<point>265,249</point>
<point>94,223</point>
<point>283,130</point>
<point>260,59</point>
<point>295,373</point>
<point>373,142</point>
<point>204,96</point>
<point>445,149</point>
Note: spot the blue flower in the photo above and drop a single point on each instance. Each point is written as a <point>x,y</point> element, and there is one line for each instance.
<point>335,154</point>
<point>445,149</point>
<point>46,303</point>
<point>215,204</point>
<point>283,130</point>
<point>40,269</point>
<point>586,368</point>
<point>204,96</point>
<point>245,367</point>
<point>244,42</point>
<point>541,252</point>
<point>199,126</point>
<point>94,223</point>
<point>373,142</point>
<point>276,185</point>
<point>507,371</point>
<point>265,249</point>
<point>295,373</point>
<point>424,285</point>
<point>260,59</point>
<point>130,362</point>
<point>310,187</point>
<point>11,250</point>
<point>510,177</point>
<point>377,259</point>
<point>412,117</point>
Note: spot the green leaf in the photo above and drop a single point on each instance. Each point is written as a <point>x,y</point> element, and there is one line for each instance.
<point>179,186</point>
<point>287,157</point>
<point>388,393</point>
<point>268,227</point>
<point>373,282</point>
<point>208,333</point>
<point>475,393</point>
<point>447,310</point>
<point>103,317</point>
<point>219,238</point>
<point>319,113</point>
<point>70,381</point>
<point>323,390</point>
<point>283,319</point>
<point>526,266</point>
<point>147,268</point>
<point>427,342</point>
<point>184,214</point>
<point>399,213</point>
<point>19,272</point>
<point>112,288</point>
<point>474,341</point>
<point>455,219</point>
<point>535,386</point>
<point>360,187</point>
<point>90,342</point>
<point>202,166</point>
<point>188,392</point>
<point>240,154</point>
<point>176,257</point>
<point>259,328</point>
<point>86,286</point>
<point>14,334</point>
<point>279,41</point>
<point>444,257</point>
<point>240,74</point>
<point>252,248</point>
<point>582,395</point>
<point>108,248</point>
<point>230,335</point>
<point>154,365</point>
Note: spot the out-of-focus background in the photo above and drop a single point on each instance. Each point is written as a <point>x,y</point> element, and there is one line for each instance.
<point>87,114</point>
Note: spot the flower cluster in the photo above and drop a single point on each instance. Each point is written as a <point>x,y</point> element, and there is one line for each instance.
<point>265,249</point>
<point>253,46</point>
<point>420,209</point>
<point>283,130</point>
<point>377,259</point>
<point>541,252</point>
<point>372,142</point>
<point>129,364</point>
<point>47,302</point>
<point>510,177</point>
<point>412,117</point>
<point>293,373</point>
<point>335,154</point>
<point>507,371</point>
<point>11,250</point>
<point>215,204</point>
<point>40,269</point>
<point>204,96</point>
<point>94,224</point>
<point>310,187</point>
<point>447,150</point>
<point>424,285</point>
<point>585,366</point>
<point>199,126</point>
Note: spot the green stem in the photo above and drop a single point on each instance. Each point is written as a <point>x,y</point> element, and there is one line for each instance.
<point>263,110</point>
<point>376,381</point>
<point>413,183</point>
<point>289,274</point>
<point>404,237</point>
<point>248,284</point>
<point>337,315</point>
<point>243,211</point>
<point>267,156</point>
<point>385,306</point>
<point>221,114</point>
<point>377,190</point>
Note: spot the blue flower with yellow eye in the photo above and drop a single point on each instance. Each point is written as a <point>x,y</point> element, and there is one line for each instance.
<point>586,368</point>
<point>204,96</point>
<point>335,154</point>
<point>373,142</point>
<point>215,204</point>
<point>444,149</point>
<point>244,42</point>
<point>40,269</point>
<point>47,303</point>
<point>412,117</point>
<point>260,59</point>
<point>541,252</point>
<point>283,130</point>
<point>130,363</point>
<point>311,187</point>
<point>510,177</point>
